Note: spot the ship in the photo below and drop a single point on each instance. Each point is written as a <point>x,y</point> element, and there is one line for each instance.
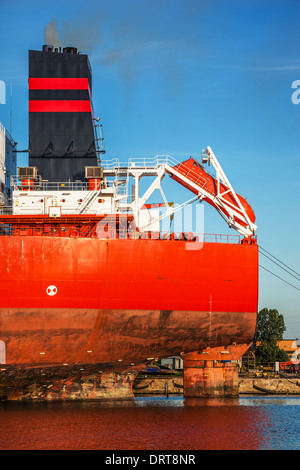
<point>89,284</point>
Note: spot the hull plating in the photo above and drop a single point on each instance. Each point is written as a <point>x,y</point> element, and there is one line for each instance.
<point>67,300</point>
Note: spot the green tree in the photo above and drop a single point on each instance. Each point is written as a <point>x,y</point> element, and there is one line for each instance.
<point>269,329</point>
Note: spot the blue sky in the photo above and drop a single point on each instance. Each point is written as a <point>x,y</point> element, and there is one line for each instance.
<point>174,76</point>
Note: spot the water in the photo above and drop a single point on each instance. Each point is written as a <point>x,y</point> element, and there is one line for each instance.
<point>151,423</point>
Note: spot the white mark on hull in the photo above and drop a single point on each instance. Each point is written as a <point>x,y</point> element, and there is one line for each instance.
<point>51,290</point>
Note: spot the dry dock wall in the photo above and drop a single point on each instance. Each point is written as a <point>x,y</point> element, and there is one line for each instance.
<point>86,385</point>
<point>276,386</point>
<point>246,386</point>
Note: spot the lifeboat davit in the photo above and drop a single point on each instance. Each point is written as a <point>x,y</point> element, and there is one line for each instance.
<point>193,171</point>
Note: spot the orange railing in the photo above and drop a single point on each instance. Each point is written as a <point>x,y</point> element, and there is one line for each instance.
<point>104,232</point>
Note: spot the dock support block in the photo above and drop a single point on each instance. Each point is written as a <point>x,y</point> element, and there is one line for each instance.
<point>212,373</point>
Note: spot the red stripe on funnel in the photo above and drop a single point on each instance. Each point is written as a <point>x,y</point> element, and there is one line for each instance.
<point>59,106</point>
<point>58,84</point>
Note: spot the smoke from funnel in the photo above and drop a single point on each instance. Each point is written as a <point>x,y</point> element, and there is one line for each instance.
<point>83,33</point>
<point>129,43</point>
<point>51,34</point>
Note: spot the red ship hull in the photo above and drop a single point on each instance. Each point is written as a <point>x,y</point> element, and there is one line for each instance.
<point>122,301</point>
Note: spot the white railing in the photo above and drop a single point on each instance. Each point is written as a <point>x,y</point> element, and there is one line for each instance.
<point>39,185</point>
<point>121,188</point>
<point>110,164</point>
<point>154,162</point>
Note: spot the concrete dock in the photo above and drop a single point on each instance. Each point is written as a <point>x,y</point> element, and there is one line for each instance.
<point>173,385</point>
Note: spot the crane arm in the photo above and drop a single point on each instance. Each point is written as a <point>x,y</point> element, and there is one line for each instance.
<point>217,191</point>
